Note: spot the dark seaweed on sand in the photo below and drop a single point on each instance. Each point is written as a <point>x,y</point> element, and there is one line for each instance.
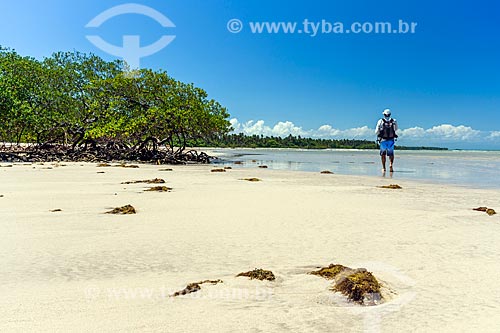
<point>194,287</point>
<point>259,274</point>
<point>159,189</point>
<point>125,210</point>
<point>146,181</point>
<point>356,284</point>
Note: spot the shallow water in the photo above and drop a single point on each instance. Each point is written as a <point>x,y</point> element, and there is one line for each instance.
<point>478,169</point>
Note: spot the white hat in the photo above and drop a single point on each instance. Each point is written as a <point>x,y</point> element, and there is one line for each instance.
<point>387,112</point>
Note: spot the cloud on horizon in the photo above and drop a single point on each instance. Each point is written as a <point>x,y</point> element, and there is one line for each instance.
<point>438,135</point>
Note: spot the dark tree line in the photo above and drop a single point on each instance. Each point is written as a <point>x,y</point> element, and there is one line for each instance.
<point>260,141</point>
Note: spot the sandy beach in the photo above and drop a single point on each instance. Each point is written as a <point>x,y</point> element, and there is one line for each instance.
<point>79,269</point>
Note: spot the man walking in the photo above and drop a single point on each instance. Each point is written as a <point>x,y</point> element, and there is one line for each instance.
<point>386,134</point>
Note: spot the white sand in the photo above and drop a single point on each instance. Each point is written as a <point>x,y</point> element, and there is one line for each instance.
<point>82,270</point>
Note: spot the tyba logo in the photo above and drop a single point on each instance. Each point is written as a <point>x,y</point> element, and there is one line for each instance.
<point>131,50</point>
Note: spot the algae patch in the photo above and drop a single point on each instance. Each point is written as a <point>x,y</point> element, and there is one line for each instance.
<point>194,287</point>
<point>330,272</point>
<point>358,285</point>
<point>147,181</point>
<point>392,187</point>
<point>259,274</point>
<point>253,179</point>
<point>489,211</point>
<point>125,210</point>
<point>159,189</point>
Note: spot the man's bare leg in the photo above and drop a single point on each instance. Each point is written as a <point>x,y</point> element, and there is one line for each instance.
<point>383,162</point>
<point>391,159</point>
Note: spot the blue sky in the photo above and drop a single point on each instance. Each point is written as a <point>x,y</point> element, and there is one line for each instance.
<point>442,82</point>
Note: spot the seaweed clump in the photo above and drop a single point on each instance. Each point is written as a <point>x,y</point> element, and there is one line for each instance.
<point>131,166</point>
<point>125,210</point>
<point>218,170</point>
<point>330,272</point>
<point>259,274</point>
<point>358,285</point>
<point>326,172</point>
<point>194,287</point>
<point>147,181</point>
<point>253,179</point>
<point>159,189</point>
<point>489,211</point>
<point>263,166</point>
<point>392,187</point>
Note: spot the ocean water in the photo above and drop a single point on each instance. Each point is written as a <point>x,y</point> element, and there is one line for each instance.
<point>477,169</point>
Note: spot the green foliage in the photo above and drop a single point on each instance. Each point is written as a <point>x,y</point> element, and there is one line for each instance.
<point>74,99</point>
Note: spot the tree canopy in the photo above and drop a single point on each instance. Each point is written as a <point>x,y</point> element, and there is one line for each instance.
<point>79,102</point>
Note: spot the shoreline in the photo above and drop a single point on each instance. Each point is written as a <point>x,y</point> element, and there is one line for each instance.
<point>446,168</point>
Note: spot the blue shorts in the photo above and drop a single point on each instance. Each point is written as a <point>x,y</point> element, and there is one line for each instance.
<point>387,147</point>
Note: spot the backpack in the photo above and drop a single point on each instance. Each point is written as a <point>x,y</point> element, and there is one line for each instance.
<point>387,130</point>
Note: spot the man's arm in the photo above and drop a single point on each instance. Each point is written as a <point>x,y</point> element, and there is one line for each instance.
<point>377,129</point>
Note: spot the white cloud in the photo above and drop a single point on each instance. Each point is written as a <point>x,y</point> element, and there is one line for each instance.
<point>285,128</point>
<point>413,132</point>
<point>494,135</point>
<point>454,133</point>
<point>444,133</point>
